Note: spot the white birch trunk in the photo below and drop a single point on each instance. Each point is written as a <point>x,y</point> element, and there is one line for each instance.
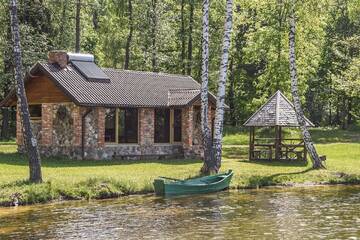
<point>294,91</point>
<point>219,115</point>
<point>29,139</point>
<point>206,135</point>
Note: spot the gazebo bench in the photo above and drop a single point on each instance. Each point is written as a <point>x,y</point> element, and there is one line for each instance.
<point>258,153</point>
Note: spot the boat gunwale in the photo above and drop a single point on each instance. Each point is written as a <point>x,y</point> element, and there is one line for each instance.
<point>183,182</point>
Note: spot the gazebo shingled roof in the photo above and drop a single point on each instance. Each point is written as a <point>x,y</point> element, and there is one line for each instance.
<point>277,111</point>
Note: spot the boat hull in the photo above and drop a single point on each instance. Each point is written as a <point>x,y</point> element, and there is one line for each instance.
<point>201,185</point>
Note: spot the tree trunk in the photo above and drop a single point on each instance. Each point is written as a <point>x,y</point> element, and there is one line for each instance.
<point>349,110</point>
<point>77,27</point>
<point>182,37</point>
<point>330,113</point>
<point>95,19</point>
<point>5,124</point>
<point>62,34</point>
<point>190,48</point>
<point>208,165</point>
<point>219,115</point>
<point>8,72</point>
<point>337,113</point>
<point>153,36</point>
<point>129,38</point>
<point>29,139</point>
<point>344,114</point>
<point>294,91</point>
<point>281,9</point>
<point>231,94</point>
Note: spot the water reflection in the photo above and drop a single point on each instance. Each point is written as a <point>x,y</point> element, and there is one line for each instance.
<point>319,213</point>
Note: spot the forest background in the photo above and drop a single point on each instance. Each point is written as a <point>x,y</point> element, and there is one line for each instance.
<point>165,36</point>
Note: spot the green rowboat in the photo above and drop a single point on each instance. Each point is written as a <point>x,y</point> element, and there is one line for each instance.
<point>170,187</point>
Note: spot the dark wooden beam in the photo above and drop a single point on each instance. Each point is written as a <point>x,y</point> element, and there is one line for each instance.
<point>251,143</point>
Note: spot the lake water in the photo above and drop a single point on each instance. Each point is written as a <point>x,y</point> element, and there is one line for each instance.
<point>328,212</point>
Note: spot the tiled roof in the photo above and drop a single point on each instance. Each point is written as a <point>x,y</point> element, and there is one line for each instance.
<point>126,88</point>
<point>277,111</point>
<point>180,97</point>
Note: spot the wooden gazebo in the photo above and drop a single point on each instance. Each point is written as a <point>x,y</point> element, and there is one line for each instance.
<point>278,112</point>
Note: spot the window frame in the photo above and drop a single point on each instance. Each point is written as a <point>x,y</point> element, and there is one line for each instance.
<point>170,132</point>
<point>171,127</point>
<point>117,110</point>
<point>111,142</point>
<point>36,119</point>
<point>118,125</point>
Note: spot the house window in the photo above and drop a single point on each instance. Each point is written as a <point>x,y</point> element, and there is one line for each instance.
<point>128,125</point>
<point>121,125</point>
<point>162,126</point>
<point>177,125</point>
<point>35,112</point>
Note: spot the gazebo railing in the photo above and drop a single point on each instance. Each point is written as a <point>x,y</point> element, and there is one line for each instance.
<point>293,151</point>
<point>286,149</point>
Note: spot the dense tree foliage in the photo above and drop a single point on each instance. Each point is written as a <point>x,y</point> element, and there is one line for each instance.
<point>165,36</point>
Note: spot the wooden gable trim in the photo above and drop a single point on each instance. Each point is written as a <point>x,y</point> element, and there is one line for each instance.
<point>61,95</point>
<point>41,89</point>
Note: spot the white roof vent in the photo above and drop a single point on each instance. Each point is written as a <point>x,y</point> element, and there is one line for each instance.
<point>80,57</point>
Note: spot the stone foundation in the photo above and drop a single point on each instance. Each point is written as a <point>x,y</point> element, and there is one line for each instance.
<point>115,152</point>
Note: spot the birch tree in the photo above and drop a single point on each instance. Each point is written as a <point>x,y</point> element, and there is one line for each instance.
<point>296,99</point>
<point>208,165</point>
<point>219,114</point>
<point>29,139</point>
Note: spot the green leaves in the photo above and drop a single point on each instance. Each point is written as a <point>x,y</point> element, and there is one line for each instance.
<point>327,44</point>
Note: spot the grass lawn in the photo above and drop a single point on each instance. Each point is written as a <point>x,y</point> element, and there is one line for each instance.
<point>68,179</point>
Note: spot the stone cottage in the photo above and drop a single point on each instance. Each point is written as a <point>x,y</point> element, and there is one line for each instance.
<point>83,111</point>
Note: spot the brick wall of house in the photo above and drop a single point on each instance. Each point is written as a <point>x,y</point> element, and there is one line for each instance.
<point>196,149</point>
<point>101,126</point>
<point>187,130</point>
<point>76,114</point>
<point>64,136</point>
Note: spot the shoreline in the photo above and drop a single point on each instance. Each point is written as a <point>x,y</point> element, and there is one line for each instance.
<point>7,205</point>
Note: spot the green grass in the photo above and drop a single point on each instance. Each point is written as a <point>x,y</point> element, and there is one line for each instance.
<point>70,179</point>
<point>240,135</point>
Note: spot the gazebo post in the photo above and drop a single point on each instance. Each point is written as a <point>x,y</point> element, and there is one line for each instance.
<point>277,142</point>
<point>251,142</point>
<point>305,153</point>
<point>280,141</point>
